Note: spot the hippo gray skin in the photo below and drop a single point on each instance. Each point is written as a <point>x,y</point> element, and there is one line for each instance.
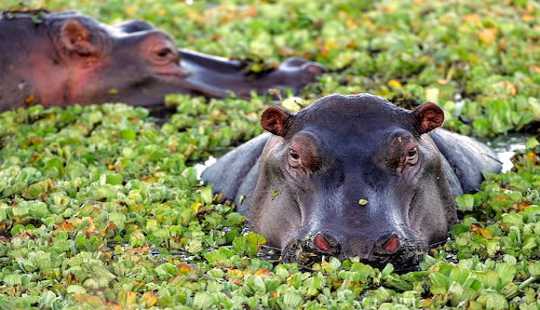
<point>65,58</point>
<point>353,176</point>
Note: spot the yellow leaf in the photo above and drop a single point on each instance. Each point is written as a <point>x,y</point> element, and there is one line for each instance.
<point>535,69</point>
<point>488,35</point>
<point>527,17</point>
<point>150,299</point>
<point>394,84</point>
<point>131,10</point>
<point>195,207</point>
<point>131,298</point>
<point>235,273</point>
<point>472,19</point>
<point>293,104</point>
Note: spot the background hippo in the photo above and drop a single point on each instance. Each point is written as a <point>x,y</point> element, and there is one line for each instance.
<point>353,176</point>
<point>65,58</point>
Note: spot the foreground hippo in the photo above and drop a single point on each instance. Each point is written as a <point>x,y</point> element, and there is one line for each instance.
<point>353,176</point>
<point>66,58</point>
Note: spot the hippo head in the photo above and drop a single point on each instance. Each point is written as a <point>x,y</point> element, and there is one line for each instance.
<point>84,61</point>
<point>353,176</point>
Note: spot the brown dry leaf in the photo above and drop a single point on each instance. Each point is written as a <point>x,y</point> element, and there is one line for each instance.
<point>235,276</point>
<point>184,267</point>
<point>510,88</point>
<point>66,226</point>
<point>111,227</point>
<point>263,272</point>
<point>521,206</point>
<point>113,306</point>
<point>250,11</point>
<point>89,299</point>
<point>501,198</point>
<point>91,227</point>
<point>139,250</point>
<point>484,232</point>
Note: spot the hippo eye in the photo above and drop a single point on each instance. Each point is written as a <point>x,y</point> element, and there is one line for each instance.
<point>412,156</point>
<point>294,158</point>
<point>164,52</point>
<point>164,55</point>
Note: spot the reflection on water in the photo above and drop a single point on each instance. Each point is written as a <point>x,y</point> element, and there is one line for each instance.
<point>506,147</point>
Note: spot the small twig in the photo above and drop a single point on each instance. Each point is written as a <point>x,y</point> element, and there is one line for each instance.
<point>526,283</point>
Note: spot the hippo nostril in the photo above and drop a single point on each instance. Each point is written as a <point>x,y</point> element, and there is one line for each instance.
<point>325,243</point>
<point>315,69</point>
<point>392,244</point>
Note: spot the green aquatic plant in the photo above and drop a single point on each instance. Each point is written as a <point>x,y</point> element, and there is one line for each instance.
<point>101,208</point>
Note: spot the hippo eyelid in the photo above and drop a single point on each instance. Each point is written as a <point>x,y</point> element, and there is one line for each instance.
<point>412,155</point>
<point>293,158</point>
<point>293,154</point>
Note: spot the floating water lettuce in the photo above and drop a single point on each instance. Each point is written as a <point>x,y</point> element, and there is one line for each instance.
<point>100,207</point>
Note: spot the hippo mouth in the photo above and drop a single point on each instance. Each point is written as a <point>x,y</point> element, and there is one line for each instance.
<point>406,259</point>
<point>172,73</point>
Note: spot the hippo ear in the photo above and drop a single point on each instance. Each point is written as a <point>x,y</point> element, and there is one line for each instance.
<point>76,38</point>
<point>275,120</point>
<point>427,117</point>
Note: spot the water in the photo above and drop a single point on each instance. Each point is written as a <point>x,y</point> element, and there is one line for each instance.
<point>506,147</point>
<point>200,167</point>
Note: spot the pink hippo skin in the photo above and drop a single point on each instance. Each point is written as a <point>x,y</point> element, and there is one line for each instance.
<point>58,59</point>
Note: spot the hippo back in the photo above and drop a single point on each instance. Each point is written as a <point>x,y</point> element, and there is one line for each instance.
<point>469,159</point>
<point>235,174</point>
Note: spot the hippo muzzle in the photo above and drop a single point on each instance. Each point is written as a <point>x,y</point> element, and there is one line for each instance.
<point>400,246</point>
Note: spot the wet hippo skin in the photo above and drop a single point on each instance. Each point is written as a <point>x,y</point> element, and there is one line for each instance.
<point>353,176</point>
<point>58,59</point>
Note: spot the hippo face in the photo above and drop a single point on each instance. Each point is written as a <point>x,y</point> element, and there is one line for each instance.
<point>110,63</point>
<point>57,59</point>
<point>353,176</point>
<point>71,58</point>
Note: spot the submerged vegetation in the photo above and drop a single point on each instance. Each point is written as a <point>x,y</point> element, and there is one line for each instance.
<point>101,208</point>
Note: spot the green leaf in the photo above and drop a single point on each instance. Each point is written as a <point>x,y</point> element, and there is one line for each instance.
<point>465,202</point>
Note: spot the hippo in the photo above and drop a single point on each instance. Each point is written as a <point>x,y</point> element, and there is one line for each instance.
<point>58,59</point>
<point>352,176</point>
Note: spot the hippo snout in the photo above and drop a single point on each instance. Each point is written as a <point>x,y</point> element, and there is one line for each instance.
<point>392,248</point>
